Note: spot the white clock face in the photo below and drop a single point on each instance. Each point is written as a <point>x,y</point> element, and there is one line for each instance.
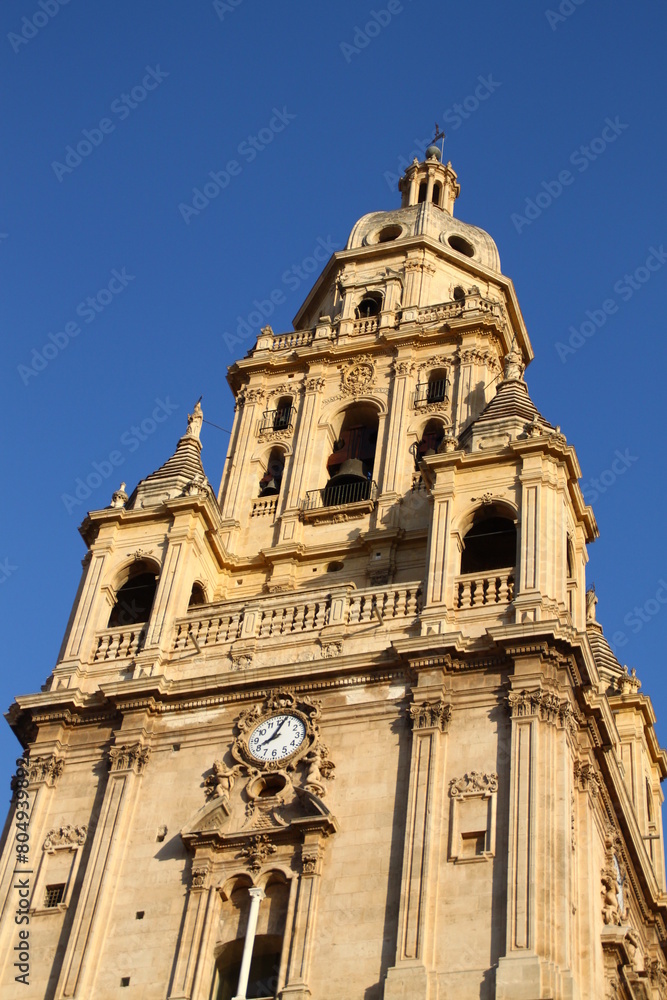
<point>276,738</point>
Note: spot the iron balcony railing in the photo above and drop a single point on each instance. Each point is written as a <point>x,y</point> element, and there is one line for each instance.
<point>436,391</point>
<point>277,420</point>
<point>337,496</point>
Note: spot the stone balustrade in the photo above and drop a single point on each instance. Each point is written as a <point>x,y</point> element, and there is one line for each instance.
<point>120,643</point>
<point>264,506</point>
<point>477,590</point>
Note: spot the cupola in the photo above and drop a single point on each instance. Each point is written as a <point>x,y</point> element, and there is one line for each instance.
<point>431,181</point>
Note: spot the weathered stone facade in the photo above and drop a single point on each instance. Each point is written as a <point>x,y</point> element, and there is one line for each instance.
<point>355,715</point>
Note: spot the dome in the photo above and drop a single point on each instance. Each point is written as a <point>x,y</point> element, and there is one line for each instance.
<point>425,219</point>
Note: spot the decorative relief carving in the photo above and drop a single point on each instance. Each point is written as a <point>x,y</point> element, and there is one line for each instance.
<point>403,367</point>
<point>614,905</point>
<point>310,859</point>
<point>199,877</point>
<point>46,769</point>
<point>658,976</point>
<point>431,715</point>
<point>254,395</point>
<point>315,384</point>
<point>256,852</point>
<point>65,837</point>
<point>357,376</point>
<point>129,758</point>
<point>220,782</point>
<point>587,778</point>
<point>538,703</point>
<point>473,783</point>
<point>628,682</point>
<point>320,768</point>
<point>241,661</point>
<point>332,648</point>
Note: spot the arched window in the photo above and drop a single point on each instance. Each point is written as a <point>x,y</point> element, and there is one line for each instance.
<point>134,600</point>
<point>350,465</point>
<point>271,481</point>
<point>430,441</point>
<point>267,946</point>
<point>570,559</point>
<point>459,294</point>
<point>423,188</point>
<point>370,305</point>
<point>436,194</point>
<point>490,544</point>
<point>197,596</point>
<point>649,801</point>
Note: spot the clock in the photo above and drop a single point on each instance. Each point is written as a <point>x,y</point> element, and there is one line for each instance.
<point>276,738</point>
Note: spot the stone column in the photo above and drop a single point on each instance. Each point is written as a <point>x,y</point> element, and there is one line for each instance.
<point>236,488</point>
<point>256,896</point>
<point>392,478</point>
<point>430,714</point>
<point>442,554</point>
<point>202,903</point>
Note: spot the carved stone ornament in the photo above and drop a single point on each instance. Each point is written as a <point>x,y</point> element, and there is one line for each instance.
<point>431,715</point>
<point>473,783</point>
<point>614,904</point>
<point>315,384</point>
<point>65,837</point>
<point>628,682</point>
<point>357,376</point>
<point>257,851</point>
<point>541,704</point>
<point>129,758</point>
<point>587,778</point>
<point>46,769</point>
<point>199,878</point>
<point>310,858</point>
<point>280,702</point>
<point>334,648</point>
<point>220,782</point>
<point>241,661</point>
<point>403,367</point>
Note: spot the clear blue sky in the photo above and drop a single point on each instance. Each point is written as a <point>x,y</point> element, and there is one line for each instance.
<point>333,109</point>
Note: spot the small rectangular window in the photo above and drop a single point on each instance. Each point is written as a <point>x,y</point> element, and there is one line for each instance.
<point>53,895</point>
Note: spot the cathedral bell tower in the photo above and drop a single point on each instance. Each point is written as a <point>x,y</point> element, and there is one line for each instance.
<point>351,728</point>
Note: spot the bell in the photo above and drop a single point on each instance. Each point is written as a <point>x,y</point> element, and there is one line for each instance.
<point>351,471</point>
<point>270,489</point>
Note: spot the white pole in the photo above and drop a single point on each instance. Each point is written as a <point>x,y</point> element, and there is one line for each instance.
<point>256,896</point>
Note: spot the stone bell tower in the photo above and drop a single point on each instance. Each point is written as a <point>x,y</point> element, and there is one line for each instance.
<point>349,728</point>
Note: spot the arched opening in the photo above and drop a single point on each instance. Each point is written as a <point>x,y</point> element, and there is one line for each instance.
<point>436,194</point>
<point>282,415</point>
<point>570,559</point>
<point>370,305</point>
<point>271,481</point>
<point>197,596</point>
<point>263,981</point>
<point>461,245</point>
<point>350,465</point>
<point>423,188</point>
<point>459,294</point>
<point>490,543</point>
<point>431,440</point>
<point>134,600</point>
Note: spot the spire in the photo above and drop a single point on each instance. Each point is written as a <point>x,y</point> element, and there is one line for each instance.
<point>181,475</point>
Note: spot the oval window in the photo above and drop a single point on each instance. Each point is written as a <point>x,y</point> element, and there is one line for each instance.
<point>389,233</point>
<point>461,245</point>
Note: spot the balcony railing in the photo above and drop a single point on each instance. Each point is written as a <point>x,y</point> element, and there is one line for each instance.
<point>476,590</point>
<point>338,496</point>
<point>436,391</point>
<point>119,643</point>
<point>277,420</point>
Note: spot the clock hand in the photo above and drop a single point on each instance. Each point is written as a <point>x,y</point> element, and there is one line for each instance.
<point>273,735</point>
